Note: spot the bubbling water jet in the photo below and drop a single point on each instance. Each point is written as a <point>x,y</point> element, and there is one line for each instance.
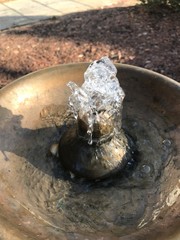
<point>96,146</point>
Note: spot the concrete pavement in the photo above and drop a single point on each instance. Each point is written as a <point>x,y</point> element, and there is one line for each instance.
<point>21,12</point>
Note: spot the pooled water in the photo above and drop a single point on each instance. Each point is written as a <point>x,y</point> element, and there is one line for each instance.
<point>118,205</point>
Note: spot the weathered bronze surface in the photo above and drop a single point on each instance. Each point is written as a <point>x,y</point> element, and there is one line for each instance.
<point>94,161</point>
<point>24,144</point>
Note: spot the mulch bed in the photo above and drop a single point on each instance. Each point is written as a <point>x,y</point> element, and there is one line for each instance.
<point>129,35</point>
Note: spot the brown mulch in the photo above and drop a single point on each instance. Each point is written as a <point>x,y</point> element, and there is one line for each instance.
<point>129,35</point>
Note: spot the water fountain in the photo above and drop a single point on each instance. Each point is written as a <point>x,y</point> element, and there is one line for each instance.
<point>95,146</point>
<point>39,197</point>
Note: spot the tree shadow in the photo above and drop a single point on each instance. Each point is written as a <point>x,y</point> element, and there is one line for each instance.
<point>129,35</point>
<point>31,145</point>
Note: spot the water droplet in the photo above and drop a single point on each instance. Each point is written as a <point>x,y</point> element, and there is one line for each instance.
<point>150,124</point>
<point>167,142</point>
<point>145,169</point>
<point>90,141</point>
<point>135,124</point>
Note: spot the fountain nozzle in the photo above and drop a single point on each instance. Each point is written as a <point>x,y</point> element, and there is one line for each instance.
<point>102,127</point>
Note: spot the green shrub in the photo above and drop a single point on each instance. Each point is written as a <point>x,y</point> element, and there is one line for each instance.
<point>174,4</point>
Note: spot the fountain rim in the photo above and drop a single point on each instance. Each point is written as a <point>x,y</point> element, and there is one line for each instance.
<point>125,67</point>
<point>161,77</point>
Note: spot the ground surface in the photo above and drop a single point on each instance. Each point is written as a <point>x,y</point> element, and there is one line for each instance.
<point>128,35</point>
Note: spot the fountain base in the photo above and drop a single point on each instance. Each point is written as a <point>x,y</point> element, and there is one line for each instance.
<point>99,160</point>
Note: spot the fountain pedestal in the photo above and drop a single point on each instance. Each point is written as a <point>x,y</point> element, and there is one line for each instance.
<point>108,153</point>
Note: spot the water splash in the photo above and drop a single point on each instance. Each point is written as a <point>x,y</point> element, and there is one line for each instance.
<point>100,91</point>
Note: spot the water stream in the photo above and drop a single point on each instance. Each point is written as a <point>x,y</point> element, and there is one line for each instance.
<point>100,92</point>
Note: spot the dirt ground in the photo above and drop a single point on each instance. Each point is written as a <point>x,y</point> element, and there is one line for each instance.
<point>129,35</point>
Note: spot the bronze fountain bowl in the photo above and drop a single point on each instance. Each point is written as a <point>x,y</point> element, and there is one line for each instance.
<point>32,181</point>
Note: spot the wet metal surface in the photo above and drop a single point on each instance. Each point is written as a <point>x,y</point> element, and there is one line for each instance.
<point>39,200</point>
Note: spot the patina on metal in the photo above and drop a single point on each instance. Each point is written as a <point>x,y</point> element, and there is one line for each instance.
<point>107,154</point>
<point>29,176</point>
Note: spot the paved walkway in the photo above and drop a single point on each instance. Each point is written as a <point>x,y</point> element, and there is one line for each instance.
<point>21,12</point>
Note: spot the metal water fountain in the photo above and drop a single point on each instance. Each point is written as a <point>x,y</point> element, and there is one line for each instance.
<point>114,171</point>
<point>95,146</point>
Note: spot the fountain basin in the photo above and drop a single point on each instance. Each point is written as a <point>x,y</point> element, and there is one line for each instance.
<point>40,201</point>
